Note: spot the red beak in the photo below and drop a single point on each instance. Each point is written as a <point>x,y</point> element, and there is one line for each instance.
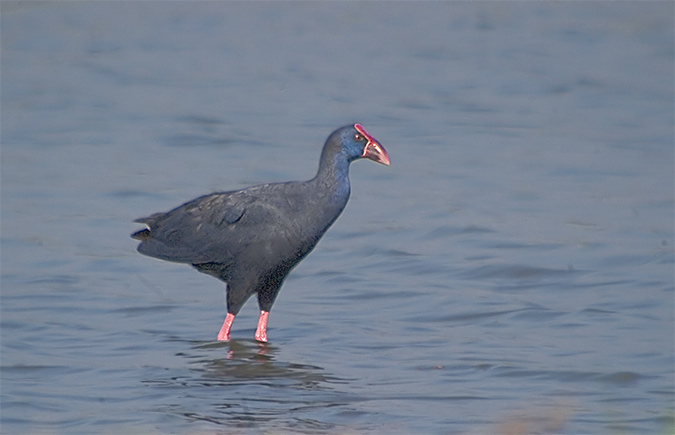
<point>373,150</point>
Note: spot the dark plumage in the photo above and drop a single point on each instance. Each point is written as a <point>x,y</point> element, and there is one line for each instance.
<point>252,238</point>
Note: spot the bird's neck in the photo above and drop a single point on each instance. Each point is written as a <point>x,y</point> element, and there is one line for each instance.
<point>332,179</point>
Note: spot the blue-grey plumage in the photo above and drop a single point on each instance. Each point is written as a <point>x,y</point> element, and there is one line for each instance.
<point>252,238</point>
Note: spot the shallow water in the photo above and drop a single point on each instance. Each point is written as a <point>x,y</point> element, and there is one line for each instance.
<point>512,271</point>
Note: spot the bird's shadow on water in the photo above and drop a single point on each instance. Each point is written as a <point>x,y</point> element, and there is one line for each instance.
<point>242,384</point>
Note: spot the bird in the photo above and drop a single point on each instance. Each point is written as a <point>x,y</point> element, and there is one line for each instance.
<point>252,238</point>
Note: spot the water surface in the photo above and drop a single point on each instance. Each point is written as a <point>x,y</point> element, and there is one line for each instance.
<point>511,271</point>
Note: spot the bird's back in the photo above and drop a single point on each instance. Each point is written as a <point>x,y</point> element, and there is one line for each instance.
<point>260,226</point>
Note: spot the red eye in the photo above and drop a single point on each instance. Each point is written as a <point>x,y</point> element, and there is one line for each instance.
<point>358,137</point>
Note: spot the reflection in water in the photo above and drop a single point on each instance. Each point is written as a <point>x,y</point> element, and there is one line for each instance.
<point>251,361</point>
<point>242,385</point>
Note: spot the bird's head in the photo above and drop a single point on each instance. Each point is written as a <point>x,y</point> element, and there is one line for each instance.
<point>356,143</point>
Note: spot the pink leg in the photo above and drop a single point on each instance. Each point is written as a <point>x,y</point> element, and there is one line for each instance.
<point>224,333</point>
<point>261,332</point>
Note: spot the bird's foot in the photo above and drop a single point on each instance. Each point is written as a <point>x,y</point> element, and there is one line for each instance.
<point>261,331</point>
<point>224,334</point>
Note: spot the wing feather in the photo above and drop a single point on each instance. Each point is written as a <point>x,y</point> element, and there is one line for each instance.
<point>216,228</point>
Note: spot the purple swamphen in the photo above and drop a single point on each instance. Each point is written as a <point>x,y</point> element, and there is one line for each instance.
<point>252,238</point>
